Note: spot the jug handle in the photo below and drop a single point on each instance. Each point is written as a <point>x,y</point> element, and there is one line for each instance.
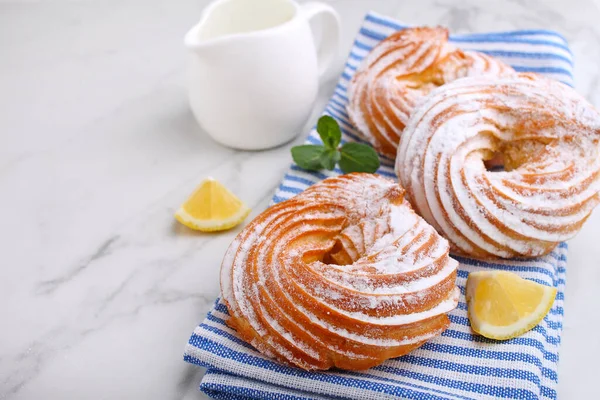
<point>328,22</point>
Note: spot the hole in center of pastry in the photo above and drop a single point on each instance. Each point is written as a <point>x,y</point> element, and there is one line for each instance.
<point>424,81</point>
<point>508,156</point>
<point>495,162</point>
<point>338,255</point>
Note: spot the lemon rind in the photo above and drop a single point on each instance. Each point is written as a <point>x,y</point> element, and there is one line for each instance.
<point>212,225</point>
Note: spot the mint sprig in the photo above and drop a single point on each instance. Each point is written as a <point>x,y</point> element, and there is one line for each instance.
<point>351,157</point>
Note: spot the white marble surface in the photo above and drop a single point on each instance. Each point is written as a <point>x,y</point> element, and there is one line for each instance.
<point>99,287</point>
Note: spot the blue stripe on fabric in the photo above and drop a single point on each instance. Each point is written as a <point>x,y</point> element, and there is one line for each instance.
<point>222,308</point>
<point>223,395</point>
<point>267,394</point>
<point>553,324</point>
<point>313,140</point>
<point>360,45</point>
<point>540,329</point>
<point>480,353</point>
<point>225,352</point>
<point>503,373</point>
<point>522,54</point>
<point>506,54</point>
<point>457,319</point>
<point>409,384</point>
<point>353,382</point>
<point>501,355</point>
<point>388,163</point>
<point>470,369</point>
<point>464,321</point>
<point>341,88</point>
<point>345,127</point>
<point>216,388</point>
<point>505,267</point>
<point>509,54</point>
<point>530,342</point>
<point>340,95</point>
<point>501,39</point>
<point>467,39</point>
<point>278,199</point>
<point>543,70</point>
<point>397,26</point>
<point>342,107</point>
<point>290,189</point>
<point>556,282</point>
<point>343,122</point>
<point>318,175</point>
<point>553,255</point>
<point>548,392</point>
<point>385,22</point>
<point>298,179</point>
<point>480,388</point>
<point>354,56</point>
<point>557,311</point>
<point>525,32</point>
<point>236,340</point>
<point>227,335</point>
<point>386,173</point>
<point>518,68</point>
<point>372,34</point>
<point>216,319</point>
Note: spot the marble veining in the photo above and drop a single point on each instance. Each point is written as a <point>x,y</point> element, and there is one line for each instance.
<point>99,286</point>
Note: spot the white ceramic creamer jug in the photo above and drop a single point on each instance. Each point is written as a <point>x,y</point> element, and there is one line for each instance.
<point>255,68</point>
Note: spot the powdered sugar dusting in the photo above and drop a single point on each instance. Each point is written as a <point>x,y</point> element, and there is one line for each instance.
<point>399,72</point>
<point>549,136</point>
<point>344,271</point>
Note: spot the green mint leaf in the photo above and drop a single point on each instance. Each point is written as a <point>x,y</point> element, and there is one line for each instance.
<point>308,156</point>
<point>358,157</point>
<point>329,158</point>
<point>330,132</point>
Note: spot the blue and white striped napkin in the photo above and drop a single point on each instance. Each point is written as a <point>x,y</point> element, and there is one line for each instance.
<point>456,365</point>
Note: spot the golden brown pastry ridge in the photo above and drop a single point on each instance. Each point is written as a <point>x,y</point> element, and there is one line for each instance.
<point>343,275</point>
<point>546,134</point>
<point>402,69</point>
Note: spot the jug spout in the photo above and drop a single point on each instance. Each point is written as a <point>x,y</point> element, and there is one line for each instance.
<point>192,38</point>
<point>196,38</point>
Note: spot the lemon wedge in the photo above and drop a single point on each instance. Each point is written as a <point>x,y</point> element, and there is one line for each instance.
<point>502,305</point>
<point>212,207</point>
